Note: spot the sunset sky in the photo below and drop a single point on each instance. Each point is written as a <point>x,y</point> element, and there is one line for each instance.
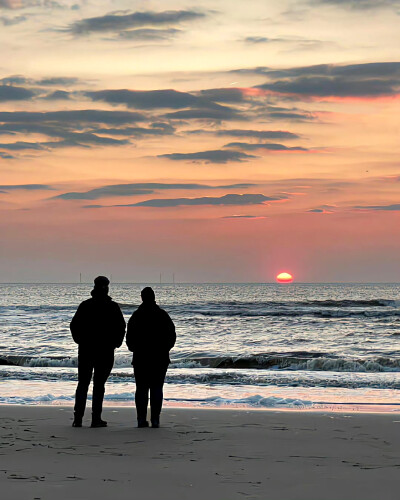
<point>221,141</point>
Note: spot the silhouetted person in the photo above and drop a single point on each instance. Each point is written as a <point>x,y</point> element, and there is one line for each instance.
<point>98,327</point>
<point>150,336</point>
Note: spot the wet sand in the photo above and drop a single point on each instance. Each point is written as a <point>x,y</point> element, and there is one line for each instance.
<point>199,454</point>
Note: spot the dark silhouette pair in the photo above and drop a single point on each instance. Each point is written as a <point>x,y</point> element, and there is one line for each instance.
<point>98,327</point>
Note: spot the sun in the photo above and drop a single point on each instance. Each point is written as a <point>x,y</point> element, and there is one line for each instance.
<point>284,278</point>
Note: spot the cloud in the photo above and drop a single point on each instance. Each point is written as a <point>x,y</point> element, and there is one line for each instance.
<point>157,129</point>
<point>359,4</point>
<point>21,146</point>
<point>266,146</point>
<point>213,156</point>
<point>244,217</point>
<point>387,208</point>
<point>298,43</point>
<point>223,95</point>
<point>148,35</point>
<point>10,93</point>
<point>58,80</point>
<point>138,189</point>
<point>58,95</point>
<point>6,156</point>
<point>121,22</point>
<point>257,134</point>
<point>28,187</point>
<point>221,114</point>
<point>226,200</point>
<point>11,21</point>
<point>154,99</point>
<point>76,117</point>
<point>326,80</point>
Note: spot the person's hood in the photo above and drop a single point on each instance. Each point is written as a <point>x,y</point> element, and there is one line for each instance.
<point>100,295</point>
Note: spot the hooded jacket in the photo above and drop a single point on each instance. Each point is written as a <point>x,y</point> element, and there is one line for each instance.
<point>98,324</point>
<point>150,335</point>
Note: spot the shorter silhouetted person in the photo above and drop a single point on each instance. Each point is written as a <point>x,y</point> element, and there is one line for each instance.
<point>98,327</point>
<point>150,336</point>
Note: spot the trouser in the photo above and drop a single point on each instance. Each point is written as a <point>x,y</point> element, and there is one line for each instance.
<point>149,378</point>
<point>99,365</point>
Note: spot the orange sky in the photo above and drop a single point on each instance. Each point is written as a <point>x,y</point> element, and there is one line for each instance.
<point>216,141</point>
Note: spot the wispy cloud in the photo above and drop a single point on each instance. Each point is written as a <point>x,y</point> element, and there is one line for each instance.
<point>123,22</point>
<point>226,200</point>
<point>386,208</point>
<point>136,189</point>
<point>213,156</point>
<point>264,146</point>
<point>27,187</point>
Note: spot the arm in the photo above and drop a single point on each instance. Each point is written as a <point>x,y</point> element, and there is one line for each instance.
<point>77,325</point>
<point>131,333</point>
<point>119,326</point>
<point>171,333</point>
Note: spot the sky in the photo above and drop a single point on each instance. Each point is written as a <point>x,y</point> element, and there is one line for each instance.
<point>220,141</point>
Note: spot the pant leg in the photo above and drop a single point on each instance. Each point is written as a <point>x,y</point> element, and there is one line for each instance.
<point>102,368</point>
<point>142,392</point>
<point>156,391</point>
<point>85,369</point>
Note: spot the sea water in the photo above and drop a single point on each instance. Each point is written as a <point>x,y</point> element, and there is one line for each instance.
<point>248,345</point>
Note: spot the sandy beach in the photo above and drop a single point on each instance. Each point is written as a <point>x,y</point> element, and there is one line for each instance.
<point>199,454</point>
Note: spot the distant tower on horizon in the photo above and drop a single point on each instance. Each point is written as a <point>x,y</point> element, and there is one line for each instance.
<point>80,277</point>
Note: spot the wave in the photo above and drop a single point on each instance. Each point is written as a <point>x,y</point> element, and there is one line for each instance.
<point>255,401</point>
<point>296,361</point>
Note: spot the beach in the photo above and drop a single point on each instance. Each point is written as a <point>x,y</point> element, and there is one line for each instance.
<point>202,454</point>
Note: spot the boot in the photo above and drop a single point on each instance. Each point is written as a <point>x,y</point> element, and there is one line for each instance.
<point>97,421</point>
<point>77,421</point>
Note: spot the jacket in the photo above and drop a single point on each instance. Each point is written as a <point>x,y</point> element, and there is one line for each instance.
<point>150,335</point>
<point>98,324</point>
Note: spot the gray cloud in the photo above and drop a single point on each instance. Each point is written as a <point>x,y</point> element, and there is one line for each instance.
<point>148,35</point>
<point>21,146</point>
<point>268,146</point>
<point>154,99</point>
<point>258,134</point>
<point>121,22</point>
<point>213,156</point>
<point>139,189</point>
<point>359,4</point>
<point>6,156</point>
<point>228,199</point>
<point>28,187</point>
<point>244,217</point>
<point>77,117</point>
<point>11,21</point>
<point>157,129</point>
<point>58,80</point>
<point>58,95</point>
<point>223,95</point>
<point>10,93</point>
<point>353,80</point>
<point>388,208</point>
<point>298,43</point>
<point>221,114</point>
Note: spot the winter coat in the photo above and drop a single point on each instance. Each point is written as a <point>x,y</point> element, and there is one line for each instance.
<point>150,335</point>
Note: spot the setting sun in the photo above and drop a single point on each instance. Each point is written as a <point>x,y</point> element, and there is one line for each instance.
<point>284,278</point>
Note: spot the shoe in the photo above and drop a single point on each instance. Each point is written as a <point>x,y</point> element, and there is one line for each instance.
<point>155,424</point>
<point>142,423</point>
<point>98,423</point>
<point>77,422</point>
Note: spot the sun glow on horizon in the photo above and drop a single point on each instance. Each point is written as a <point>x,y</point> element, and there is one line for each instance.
<point>284,278</point>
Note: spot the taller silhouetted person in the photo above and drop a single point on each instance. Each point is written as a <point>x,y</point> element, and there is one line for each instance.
<point>98,327</point>
<point>150,336</point>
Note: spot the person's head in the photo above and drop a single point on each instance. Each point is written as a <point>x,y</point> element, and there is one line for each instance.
<point>148,296</point>
<point>101,285</point>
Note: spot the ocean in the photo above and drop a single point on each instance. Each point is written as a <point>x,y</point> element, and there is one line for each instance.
<point>302,346</point>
